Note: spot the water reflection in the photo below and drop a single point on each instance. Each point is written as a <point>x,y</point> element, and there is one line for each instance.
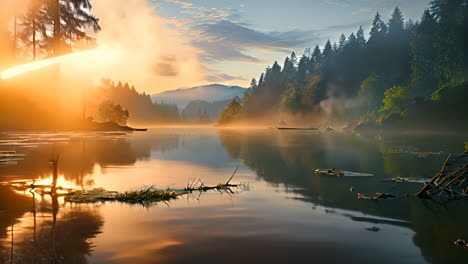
<point>79,154</point>
<point>289,159</point>
<point>290,215</point>
<point>40,229</point>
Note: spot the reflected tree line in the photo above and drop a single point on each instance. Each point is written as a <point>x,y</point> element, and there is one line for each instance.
<point>288,161</point>
<point>35,230</point>
<point>38,227</point>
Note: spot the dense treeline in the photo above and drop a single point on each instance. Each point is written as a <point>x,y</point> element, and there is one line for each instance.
<point>202,111</point>
<point>402,69</point>
<point>139,105</point>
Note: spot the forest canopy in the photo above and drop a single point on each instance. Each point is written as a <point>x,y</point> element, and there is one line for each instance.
<point>401,67</point>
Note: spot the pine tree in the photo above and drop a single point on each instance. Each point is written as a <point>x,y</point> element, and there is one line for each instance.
<point>316,54</point>
<point>352,40</point>
<point>327,50</point>
<point>448,14</point>
<point>342,41</point>
<point>361,40</point>
<point>302,68</point>
<point>57,25</point>
<point>231,113</point>
<point>260,80</point>
<point>315,62</point>
<point>378,28</point>
<point>396,24</point>
<point>423,55</point>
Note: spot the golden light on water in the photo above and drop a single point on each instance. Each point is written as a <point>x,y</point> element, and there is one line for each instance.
<point>28,67</point>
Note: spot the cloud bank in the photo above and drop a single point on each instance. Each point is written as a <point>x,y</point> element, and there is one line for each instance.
<point>151,55</point>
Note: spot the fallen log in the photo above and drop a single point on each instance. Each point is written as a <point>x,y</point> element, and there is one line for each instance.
<point>450,182</point>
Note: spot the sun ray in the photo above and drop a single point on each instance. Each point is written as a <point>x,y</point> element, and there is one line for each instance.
<point>28,67</point>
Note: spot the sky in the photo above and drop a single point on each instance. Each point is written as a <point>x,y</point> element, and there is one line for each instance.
<point>237,39</point>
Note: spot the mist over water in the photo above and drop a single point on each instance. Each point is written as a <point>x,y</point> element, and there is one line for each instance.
<point>139,49</point>
<point>286,206</point>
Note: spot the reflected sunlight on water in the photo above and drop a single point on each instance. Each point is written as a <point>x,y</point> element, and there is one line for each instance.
<point>287,213</point>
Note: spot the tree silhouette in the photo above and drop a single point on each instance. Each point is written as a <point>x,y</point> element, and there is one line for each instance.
<point>111,112</point>
<point>231,113</point>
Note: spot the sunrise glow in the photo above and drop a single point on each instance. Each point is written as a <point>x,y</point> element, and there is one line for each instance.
<point>32,66</point>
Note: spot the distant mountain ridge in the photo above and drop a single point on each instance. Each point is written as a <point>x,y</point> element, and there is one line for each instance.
<point>210,93</point>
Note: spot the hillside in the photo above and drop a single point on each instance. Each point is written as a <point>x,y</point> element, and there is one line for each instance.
<point>195,109</point>
<point>210,93</point>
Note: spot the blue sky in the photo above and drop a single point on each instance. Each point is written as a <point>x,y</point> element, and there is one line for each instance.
<point>238,39</point>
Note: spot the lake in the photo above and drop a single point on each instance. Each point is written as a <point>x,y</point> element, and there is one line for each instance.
<point>283,212</point>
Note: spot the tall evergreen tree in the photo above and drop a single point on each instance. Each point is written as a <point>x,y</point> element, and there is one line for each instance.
<point>423,55</point>
<point>352,40</point>
<point>260,80</point>
<point>302,68</point>
<point>342,41</point>
<point>327,50</point>
<point>316,54</point>
<point>396,24</point>
<point>378,28</point>
<point>361,40</point>
<point>448,14</point>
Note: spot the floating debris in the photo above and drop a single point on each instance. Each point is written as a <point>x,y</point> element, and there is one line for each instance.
<point>376,196</point>
<point>373,229</point>
<point>339,173</point>
<point>297,128</point>
<point>199,185</point>
<point>461,243</point>
<point>410,180</point>
<point>415,152</point>
<point>451,182</point>
<point>145,195</point>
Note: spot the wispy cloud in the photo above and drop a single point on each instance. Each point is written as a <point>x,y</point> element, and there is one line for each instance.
<point>208,15</point>
<point>348,27</point>
<point>337,2</point>
<point>226,40</point>
<point>222,77</point>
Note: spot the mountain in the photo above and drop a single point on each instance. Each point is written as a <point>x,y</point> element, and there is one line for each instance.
<point>195,110</point>
<point>212,92</point>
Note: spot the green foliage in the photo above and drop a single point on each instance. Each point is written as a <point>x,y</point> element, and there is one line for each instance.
<point>445,91</point>
<point>231,113</point>
<point>111,112</point>
<point>395,100</point>
<point>372,92</point>
<point>360,37</point>
<point>292,100</point>
<point>424,77</point>
<point>301,98</point>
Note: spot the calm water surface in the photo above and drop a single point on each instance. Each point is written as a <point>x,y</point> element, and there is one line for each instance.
<point>284,214</point>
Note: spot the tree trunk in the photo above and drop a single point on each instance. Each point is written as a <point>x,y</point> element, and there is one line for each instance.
<point>34,37</point>
<point>14,34</point>
<point>56,27</point>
